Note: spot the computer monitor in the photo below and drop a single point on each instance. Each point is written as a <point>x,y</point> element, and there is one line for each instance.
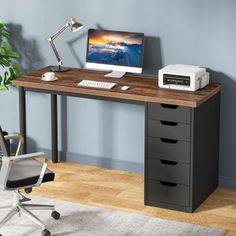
<point>117,51</point>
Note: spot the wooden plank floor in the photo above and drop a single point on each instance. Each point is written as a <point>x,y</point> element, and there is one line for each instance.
<point>124,191</point>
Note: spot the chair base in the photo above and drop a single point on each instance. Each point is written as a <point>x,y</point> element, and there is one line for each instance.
<point>20,208</point>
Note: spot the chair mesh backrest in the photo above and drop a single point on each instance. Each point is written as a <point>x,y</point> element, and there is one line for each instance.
<point>4,151</point>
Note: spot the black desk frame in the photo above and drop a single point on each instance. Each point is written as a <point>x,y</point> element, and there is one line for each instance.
<point>54,120</point>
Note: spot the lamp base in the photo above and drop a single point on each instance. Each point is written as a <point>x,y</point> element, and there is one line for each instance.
<point>59,68</point>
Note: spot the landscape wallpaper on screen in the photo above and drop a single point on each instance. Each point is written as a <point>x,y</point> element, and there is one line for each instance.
<point>115,48</point>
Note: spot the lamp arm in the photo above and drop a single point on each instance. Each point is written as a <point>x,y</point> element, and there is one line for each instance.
<point>74,27</point>
<point>59,32</point>
<point>60,62</point>
<point>54,36</point>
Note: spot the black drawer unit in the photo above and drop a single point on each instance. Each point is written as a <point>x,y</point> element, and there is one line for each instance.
<point>181,154</point>
<point>169,112</point>
<point>169,149</point>
<point>168,192</point>
<point>169,171</point>
<point>169,129</point>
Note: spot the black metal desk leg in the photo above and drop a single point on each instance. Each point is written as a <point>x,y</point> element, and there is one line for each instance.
<point>54,128</point>
<point>22,117</point>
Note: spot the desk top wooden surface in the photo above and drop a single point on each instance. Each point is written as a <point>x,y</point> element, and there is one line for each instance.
<point>142,88</point>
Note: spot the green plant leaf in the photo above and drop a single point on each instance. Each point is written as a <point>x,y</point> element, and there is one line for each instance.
<point>2,24</point>
<point>5,62</point>
<point>3,88</point>
<point>5,78</point>
<point>4,33</point>
<point>16,69</point>
<point>13,55</point>
<point>12,75</point>
<point>2,52</point>
<point>8,50</point>
<point>7,47</point>
<point>8,58</point>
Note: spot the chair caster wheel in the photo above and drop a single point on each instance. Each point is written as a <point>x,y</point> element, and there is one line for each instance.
<point>45,232</point>
<point>55,215</point>
<point>28,190</point>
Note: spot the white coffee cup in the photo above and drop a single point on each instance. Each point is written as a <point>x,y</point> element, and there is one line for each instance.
<point>48,76</point>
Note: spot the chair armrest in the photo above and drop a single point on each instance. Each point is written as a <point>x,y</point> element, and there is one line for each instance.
<point>43,170</point>
<point>16,136</point>
<point>7,162</point>
<point>26,156</point>
<point>32,155</point>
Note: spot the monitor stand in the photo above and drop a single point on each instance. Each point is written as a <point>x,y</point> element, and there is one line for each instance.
<point>115,74</point>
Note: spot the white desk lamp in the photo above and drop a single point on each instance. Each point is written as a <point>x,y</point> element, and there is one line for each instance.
<point>75,26</point>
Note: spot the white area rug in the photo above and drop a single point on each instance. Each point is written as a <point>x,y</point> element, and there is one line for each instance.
<point>83,220</point>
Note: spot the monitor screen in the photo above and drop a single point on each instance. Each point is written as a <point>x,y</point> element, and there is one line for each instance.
<point>123,49</point>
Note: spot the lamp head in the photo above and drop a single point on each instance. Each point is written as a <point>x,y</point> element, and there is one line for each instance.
<point>75,25</point>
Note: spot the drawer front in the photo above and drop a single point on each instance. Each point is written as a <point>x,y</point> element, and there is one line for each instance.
<point>169,171</point>
<point>169,112</point>
<point>170,130</point>
<point>160,191</point>
<point>170,149</point>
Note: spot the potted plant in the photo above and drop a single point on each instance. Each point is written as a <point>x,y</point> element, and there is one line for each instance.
<point>10,68</point>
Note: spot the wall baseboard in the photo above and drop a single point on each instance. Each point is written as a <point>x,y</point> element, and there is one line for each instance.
<point>103,162</point>
<point>227,182</point>
<point>96,161</point>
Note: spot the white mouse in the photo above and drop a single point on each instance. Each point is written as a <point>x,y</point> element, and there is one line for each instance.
<point>125,87</point>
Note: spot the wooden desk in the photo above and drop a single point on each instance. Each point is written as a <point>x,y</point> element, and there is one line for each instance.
<point>181,131</point>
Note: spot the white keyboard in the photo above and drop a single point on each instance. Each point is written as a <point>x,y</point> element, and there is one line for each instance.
<point>96,84</point>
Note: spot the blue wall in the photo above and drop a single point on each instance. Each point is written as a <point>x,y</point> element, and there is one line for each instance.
<point>199,32</point>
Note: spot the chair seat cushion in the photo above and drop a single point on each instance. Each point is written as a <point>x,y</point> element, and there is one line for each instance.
<point>26,172</point>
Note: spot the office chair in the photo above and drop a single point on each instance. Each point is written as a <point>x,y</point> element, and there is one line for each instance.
<point>22,172</point>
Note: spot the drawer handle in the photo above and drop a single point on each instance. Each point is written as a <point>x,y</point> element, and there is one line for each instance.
<point>171,163</point>
<point>167,140</point>
<point>169,123</point>
<point>169,106</point>
<point>168,184</point>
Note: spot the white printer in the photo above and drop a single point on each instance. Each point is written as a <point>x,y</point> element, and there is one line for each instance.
<point>183,77</point>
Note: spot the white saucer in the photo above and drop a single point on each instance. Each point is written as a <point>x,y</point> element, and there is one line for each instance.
<point>43,78</point>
